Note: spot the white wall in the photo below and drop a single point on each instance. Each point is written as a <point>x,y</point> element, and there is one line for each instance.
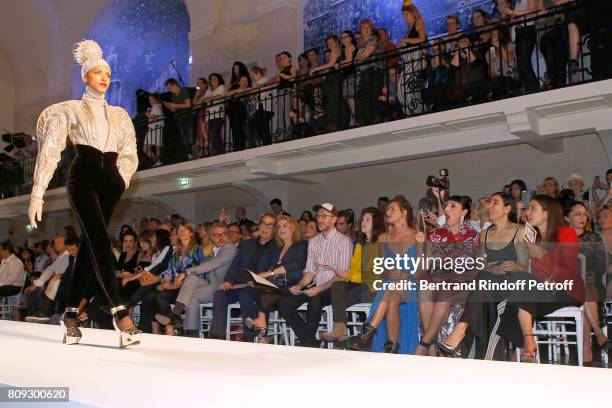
<point>472,173</point>
<point>8,92</point>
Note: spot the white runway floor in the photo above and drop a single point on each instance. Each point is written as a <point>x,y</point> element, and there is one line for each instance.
<point>176,372</point>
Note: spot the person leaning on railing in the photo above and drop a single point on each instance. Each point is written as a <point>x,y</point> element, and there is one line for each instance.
<point>154,139</point>
<point>215,112</point>
<point>526,39</point>
<point>332,86</point>
<point>346,65</point>
<point>201,127</point>
<point>408,84</point>
<point>286,78</point>
<point>236,106</point>
<point>371,75</point>
<point>260,120</point>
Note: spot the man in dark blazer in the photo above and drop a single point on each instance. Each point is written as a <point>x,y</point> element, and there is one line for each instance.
<point>256,255</point>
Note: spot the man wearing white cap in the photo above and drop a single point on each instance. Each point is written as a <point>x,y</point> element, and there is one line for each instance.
<point>328,252</point>
<point>105,145</point>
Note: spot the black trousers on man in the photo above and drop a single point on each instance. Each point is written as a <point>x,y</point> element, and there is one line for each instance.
<point>94,188</point>
<point>304,330</point>
<point>9,290</point>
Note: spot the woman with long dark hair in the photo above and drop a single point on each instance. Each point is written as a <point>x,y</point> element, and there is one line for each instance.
<point>501,247</point>
<point>349,52</point>
<point>104,140</point>
<point>237,109</point>
<point>149,276</point>
<point>553,258</point>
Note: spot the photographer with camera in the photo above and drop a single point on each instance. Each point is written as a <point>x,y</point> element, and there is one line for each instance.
<point>431,207</point>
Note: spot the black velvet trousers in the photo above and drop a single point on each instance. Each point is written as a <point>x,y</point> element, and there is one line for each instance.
<point>94,188</point>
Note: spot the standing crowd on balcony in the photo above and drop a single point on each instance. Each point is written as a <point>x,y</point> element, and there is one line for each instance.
<point>359,78</point>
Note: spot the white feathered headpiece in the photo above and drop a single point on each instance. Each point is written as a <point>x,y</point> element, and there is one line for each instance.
<point>89,54</point>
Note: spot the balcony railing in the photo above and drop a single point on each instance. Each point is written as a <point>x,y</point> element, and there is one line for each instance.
<point>471,67</point>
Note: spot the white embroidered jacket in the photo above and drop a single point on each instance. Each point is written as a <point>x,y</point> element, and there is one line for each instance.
<point>75,119</point>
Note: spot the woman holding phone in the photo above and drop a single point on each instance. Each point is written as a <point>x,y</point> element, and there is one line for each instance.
<point>553,258</point>
<point>519,192</point>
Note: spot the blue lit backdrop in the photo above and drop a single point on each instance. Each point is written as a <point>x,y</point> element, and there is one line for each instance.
<point>139,38</point>
<point>323,17</point>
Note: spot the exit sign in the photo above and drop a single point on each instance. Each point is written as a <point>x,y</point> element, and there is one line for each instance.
<point>183,182</point>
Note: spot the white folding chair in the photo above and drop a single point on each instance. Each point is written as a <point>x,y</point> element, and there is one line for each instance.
<point>7,304</point>
<point>554,331</point>
<point>206,314</point>
<point>233,321</point>
<point>136,314</point>
<point>357,315</point>
<point>277,328</point>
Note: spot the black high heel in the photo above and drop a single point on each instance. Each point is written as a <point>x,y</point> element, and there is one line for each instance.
<point>425,345</point>
<point>605,346</point>
<point>364,340</point>
<point>129,336</point>
<point>172,318</point>
<point>391,347</point>
<point>444,350</point>
<point>70,325</point>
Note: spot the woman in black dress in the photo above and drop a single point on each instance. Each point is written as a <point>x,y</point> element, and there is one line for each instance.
<point>502,249</point>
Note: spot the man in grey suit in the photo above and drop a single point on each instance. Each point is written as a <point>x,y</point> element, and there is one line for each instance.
<point>201,282</point>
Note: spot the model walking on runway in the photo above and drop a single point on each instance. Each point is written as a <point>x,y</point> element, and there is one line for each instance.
<point>105,145</point>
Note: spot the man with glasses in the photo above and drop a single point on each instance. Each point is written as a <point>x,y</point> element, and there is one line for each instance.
<point>328,253</point>
<point>201,282</point>
<point>256,255</point>
<point>235,234</point>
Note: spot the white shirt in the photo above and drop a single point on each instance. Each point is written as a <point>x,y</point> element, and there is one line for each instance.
<point>216,110</point>
<point>58,267</point>
<point>82,123</point>
<point>12,272</point>
<point>157,122</point>
<point>39,263</point>
<point>266,98</point>
<point>157,258</point>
